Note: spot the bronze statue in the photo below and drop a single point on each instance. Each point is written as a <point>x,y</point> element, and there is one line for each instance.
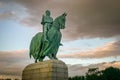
<point>47,43</point>
<point>47,23</point>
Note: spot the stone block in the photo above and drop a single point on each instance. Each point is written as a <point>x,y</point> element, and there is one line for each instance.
<point>46,70</point>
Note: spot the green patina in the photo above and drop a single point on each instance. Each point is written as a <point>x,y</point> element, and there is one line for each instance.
<point>47,43</point>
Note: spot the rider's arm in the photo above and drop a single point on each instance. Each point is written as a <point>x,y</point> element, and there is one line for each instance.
<point>42,22</point>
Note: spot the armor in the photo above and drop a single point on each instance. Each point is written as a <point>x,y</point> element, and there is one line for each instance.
<point>47,23</point>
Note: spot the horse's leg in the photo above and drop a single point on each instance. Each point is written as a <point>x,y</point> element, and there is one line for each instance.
<point>36,57</point>
<point>50,56</point>
<point>55,53</point>
<point>41,58</point>
<point>35,60</point>
<point>54,56</point>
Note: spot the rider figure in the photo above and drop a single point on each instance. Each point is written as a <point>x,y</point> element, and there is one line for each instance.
<point>47,23</point>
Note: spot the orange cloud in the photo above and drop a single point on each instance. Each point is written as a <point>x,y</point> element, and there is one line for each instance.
<point>13,62</point>
<point>111,49</point>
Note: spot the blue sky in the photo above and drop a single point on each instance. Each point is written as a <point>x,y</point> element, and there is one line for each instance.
<point>19,36</point>
<point>15,36</point>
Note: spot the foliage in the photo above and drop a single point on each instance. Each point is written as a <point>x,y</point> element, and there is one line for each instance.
<point>77,78</point>
<point>109,73</point>
<point>112,73</point>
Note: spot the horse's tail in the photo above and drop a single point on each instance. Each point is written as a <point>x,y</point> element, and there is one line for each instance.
<point>35,45</point>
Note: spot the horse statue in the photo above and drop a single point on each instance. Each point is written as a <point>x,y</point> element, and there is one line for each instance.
<point>40,48</point>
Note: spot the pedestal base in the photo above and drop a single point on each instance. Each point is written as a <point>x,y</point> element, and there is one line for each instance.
<point>47,70</point>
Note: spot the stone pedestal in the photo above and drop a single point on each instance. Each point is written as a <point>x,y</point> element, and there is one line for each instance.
<point>46,70</point>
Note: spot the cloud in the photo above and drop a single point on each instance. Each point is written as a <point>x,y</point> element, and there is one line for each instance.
<point>14,12</point>
<point>13,62</point>
<point>85,18</point>
<point>31,22</point>
<point>79,70</point>
<point>111,49</point>
<point>6,15</point>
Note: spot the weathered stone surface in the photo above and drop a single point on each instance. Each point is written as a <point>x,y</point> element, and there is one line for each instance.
<point>47,70</point>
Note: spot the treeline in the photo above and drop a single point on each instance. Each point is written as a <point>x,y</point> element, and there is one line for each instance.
<point>110,73</point>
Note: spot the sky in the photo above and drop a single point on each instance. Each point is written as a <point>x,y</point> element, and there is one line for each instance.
<point>91,36</point>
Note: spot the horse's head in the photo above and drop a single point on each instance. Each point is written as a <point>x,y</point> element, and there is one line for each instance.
<point>61,21</point>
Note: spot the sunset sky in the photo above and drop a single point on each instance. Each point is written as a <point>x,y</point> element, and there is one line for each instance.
<point>91,36</point>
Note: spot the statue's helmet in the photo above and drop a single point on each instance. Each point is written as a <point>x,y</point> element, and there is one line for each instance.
<point>47,12</point>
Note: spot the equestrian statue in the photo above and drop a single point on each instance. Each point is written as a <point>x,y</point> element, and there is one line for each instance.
<point>47,43</point>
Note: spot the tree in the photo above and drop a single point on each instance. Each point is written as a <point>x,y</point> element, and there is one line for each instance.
<point>92,74</point>
<point>109,73</point>
<point>112,73</point>
<point>77,78</point>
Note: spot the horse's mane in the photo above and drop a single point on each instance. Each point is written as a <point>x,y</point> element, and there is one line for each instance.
<point>57,18</point>
<point>64,14</point>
